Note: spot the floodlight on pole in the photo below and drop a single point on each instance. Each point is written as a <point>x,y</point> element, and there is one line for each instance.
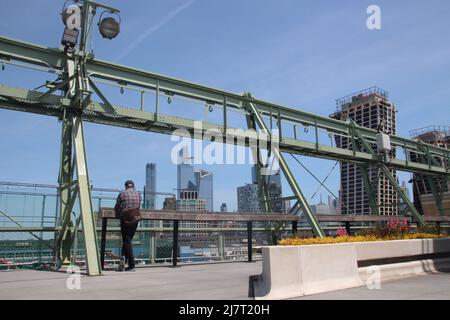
<point>109,28</point>
<point>76,15</point>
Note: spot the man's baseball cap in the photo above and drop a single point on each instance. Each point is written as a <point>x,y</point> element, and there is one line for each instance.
<point>129,184</point>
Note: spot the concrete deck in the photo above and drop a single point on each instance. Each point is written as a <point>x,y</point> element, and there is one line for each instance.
<point>221,281</point>
<point>224,281</point>
<point>425,287</point>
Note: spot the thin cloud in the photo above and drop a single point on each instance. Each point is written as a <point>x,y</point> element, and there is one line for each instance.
<point>153,29</point>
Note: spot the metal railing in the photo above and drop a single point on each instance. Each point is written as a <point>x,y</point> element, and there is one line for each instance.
<point>435,129</point>
<point>340,103</point>
<point>30,227</point>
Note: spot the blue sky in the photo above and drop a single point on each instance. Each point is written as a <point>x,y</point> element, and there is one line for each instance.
<point>304,54</point>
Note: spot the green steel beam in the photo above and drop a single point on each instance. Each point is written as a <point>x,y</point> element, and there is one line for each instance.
<point>312,220</point>
<point>84,190</point>
<point>358,142</point>
<point>66,198</point>
<point>39,55</point>
<point>105,113</point>
<point>420,220</point>
<point>27,101</point>
<point>369,190</point>
<point>263,190</point>
<point>387,173</point>
<point>437,193</point>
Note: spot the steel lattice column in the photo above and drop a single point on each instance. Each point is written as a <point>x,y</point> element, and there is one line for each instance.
<point>64,241</point>
<point>88,219</point>
<point>263,190</point>
<point>313,222</point>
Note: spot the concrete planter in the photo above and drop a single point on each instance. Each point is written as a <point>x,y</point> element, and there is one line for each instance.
<point>294,271</point>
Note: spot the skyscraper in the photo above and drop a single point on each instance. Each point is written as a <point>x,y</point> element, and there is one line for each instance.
<point>275,178</point>
<point>204,184</point>
<point>248,198</point>
<point>200,181</point>
<point>274,189</point>
<point>371,109</point>
<point>185,173</point>
<point>223,207</point>
<point>170,204</point>
<point>150,187</point>
<point>189,202</point>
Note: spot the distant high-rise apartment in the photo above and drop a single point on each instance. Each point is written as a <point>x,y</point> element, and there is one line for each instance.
<point>248,198</point>
<point>150,187</point>
<point>422,189</point>
<point>274,189</point>
<point>371,109</point>
<point>223,207</point>
<point>170,204</point>
<point>274,178</point>
<point>189,202</point>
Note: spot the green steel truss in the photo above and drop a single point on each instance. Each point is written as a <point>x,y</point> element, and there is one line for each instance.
<point>105,113</point>
<point>76,107</point>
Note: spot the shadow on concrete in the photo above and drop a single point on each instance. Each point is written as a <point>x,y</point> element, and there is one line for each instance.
<point>441,262</point>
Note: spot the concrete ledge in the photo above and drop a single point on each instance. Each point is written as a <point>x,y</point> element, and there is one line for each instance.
<point>302,270</point>
<point>397,271</point>
<point>400,248</point>
<point>295,271</point>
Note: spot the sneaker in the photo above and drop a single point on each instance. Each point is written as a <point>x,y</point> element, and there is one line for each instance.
<point>121,265</point>
<point>130,269</point>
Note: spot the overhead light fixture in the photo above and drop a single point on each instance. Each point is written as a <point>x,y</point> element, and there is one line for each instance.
<point>109,27</point>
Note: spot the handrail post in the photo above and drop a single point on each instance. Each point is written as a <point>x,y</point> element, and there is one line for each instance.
<point>348,227</point>
<point>103,242</point>
<point>294,227</point>
<point>175,244</point>
<point>250,240</point>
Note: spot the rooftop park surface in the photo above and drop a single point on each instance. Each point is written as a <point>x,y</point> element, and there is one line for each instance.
<point>395,229</point>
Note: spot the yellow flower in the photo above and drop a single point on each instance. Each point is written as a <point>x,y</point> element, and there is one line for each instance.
<point>346,239</point>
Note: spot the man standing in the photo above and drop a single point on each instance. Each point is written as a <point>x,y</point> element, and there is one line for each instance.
<point>128,210</point>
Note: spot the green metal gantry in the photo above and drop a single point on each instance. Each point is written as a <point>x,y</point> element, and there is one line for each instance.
<point>71,99</point>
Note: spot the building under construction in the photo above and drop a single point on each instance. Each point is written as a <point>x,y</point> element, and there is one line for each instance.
<point>369,108</point>
<point>426,189</point>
